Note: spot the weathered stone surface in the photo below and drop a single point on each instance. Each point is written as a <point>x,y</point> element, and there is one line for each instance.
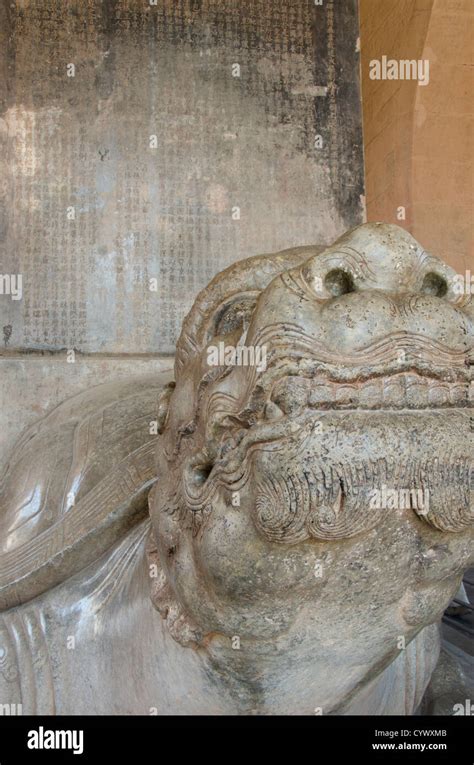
<point>33,384</point>
<point>312,514</point>
<point>162,142</point>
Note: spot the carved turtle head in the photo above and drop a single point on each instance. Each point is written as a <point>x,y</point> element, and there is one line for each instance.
<point>315,461</point>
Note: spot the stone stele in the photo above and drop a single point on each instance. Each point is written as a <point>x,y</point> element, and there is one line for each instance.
<point>308,473</point>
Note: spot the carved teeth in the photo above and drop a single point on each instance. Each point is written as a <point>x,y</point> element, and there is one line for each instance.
<point>458,394</point>
<point>438,394</point>
<point>370,393</point>
<point>417,391</point>
<point>347,396</point>
<point>321,394</point>
<point>291,395</point>
<point>398,392</point>
<point>394,392</point>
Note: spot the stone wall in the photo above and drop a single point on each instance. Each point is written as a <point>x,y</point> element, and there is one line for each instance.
<point>146,146</point>
<point>419,139</point>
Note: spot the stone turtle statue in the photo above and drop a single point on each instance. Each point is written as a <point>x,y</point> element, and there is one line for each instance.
<point>309,483</point>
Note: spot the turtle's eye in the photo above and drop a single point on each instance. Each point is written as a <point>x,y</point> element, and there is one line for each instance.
<point>339,282</point>
<point>434,284</point>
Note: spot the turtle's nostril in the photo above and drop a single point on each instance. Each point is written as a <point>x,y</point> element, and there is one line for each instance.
<point>434,284</point>
<point>339,282</point>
